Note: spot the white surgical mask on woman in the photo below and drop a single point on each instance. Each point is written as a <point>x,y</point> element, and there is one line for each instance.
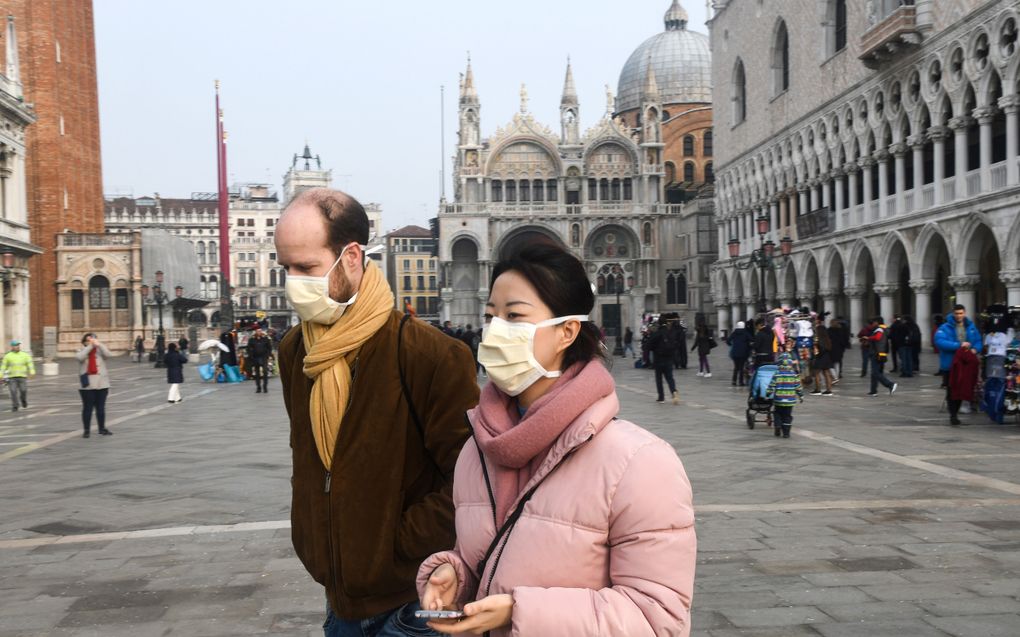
<point>507,351</point>
<point>309,296</point>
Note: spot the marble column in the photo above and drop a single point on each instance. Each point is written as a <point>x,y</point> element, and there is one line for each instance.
<point>839,177</point>
<point>899,153</point>
<point>852,170</point>
<point>887,300</point>
<point>966,291</point>
<point>938,135</point>
<point>736,310</point>
<point>882,157</point>
<point>723,316</point>
<point>856,295</point>
<point>916,143</point>
<point>802,202</point>
<point>922,289</point>
<point>829,297</point>
<point>813,194</point>
<point>1011,105</point>
<point>959,127</point>
<point>752,307</point>
<point>1011,278</point>
<point>774,218</point>
<point>985,116</point>
<point>866,163</point>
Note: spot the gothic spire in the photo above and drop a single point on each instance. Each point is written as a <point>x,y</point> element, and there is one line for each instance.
<point>569,90</point>
<point>468,93</point>
<point>676,17</point>
<point>651,90</point>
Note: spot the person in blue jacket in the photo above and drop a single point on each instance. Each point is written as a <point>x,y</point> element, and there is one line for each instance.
<point>740,342</point>
<point>956,331</point>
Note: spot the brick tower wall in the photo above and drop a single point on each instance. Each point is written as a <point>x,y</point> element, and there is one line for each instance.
<point>57,51</point>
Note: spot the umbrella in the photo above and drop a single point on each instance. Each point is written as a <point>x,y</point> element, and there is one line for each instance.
<point>212,342</point>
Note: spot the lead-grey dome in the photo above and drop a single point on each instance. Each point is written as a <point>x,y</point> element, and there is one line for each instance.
<point>682,62</point>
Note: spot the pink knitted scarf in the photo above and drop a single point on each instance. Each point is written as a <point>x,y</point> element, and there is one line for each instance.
<point>514,447</point>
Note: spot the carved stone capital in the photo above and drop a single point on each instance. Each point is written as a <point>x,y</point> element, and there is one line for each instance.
<point>967,283</point>
<point>838,174</point>
<point>898,149</point>
<point>922,286</point>
<point>960,122</point>
<point>1009,103</point>
<point>985,115</point>
<point>854,291</point>
<point>881,155</point>
<point>721,306</point>
<point>851,168</point>
<point>866,162</point>
<point>828,294</point>
<point>938,133</point>
<point>886,289</point>
<point>917,141</point>
<point>1010,277</point>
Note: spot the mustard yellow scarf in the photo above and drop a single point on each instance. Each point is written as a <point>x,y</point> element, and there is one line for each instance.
<point>331,349</point>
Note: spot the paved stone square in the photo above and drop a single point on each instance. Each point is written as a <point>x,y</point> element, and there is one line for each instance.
<point>876,518</point>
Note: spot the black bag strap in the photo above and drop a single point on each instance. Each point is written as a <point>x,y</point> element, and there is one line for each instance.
<point>407,395</point>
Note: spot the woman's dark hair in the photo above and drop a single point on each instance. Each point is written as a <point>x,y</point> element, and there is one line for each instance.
<point>171,347</point>
<point>86,336</point>
<point>562,284</point>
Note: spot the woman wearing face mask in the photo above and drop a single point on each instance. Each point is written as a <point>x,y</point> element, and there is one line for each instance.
<point>569,521</point>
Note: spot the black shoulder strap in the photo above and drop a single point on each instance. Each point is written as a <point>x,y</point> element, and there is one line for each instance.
<point>407,395</point>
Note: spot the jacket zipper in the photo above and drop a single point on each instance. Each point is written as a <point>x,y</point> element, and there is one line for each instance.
<point>329,498</point>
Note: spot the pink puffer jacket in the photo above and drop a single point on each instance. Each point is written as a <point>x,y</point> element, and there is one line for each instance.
<point>605,546</point>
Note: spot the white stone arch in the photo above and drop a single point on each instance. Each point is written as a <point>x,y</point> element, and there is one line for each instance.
<point>809,280</point>
<point>542,143</point>
<point>633,238</point>
<point>787,281</point>
<point>832,268</point>
<point>890,259</point>
<point>626,144</point>
<point>538,227</point>
<point>463,270</point>
<point>968,250</point>
<point>1011,248</point>
<point>722,286</point>
<point>860,254</point>
<point>1001,58</point>
<point>986,86</point>
<point>923,245</point>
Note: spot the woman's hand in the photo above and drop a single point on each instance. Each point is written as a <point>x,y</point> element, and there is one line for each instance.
<point>486,614</point>
<point>441,589</point>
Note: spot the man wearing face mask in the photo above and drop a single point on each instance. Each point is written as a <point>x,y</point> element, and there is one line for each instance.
<point>376,404</point>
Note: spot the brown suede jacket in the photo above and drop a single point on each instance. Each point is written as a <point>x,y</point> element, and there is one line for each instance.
<point>363,529</point>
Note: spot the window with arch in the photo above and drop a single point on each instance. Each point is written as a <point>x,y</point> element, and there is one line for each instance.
<point>780,59</point>
<point>593,190</point>
<point>709,173</point>
<point>615,190</point>
<point>200,247</point>
<point>214,287</point>
<point>646,233</point>
<point>706,144</point>
<point>511,191</point>
<point>676,287</point>
<point>99,293</point>
<point>628,189</point>
<point>575,235</point>
<point>538,191</point>
<point>604,190</point>
<point>203,286</point>
<point>670,172</point>
<point>77,299</point>
<point>497,190</point>
<point>839,27</point>
<point>272,278</point>
<point>214,256</point>
<point>688,171</point>
<point>121,298</point>
<point>281,277</point>
<point>739,92</point>
<point>551,190</point>
<point>688,145</point>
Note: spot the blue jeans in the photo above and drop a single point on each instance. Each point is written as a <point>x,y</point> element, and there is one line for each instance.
<point>400,622</point>
<point>878,376</point>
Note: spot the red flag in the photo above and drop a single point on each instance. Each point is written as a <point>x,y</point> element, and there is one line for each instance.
<point>224,204</point>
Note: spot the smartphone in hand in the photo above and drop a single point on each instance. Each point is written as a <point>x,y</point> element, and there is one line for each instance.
<point>439,614</point>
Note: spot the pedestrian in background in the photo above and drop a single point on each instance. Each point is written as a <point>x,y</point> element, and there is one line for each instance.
<point>703,342</point>
<point>139,348</point>
<point>957,331</point>
<point>740,342</point>
<point>680,337</point>
<point>174,362</point>
<point>16,368</point>
<point>865,344</point>
<point>260,350</point>
<point>897,338</point>
<point>821,364</point>
<point>764,345</point>
<point>839,335</point>
<point>605,543</point>
<point>784,390</point>
<point>878,341</point>
<point>94,379</point>
<point>663,348</point>
<point>909,346</point>
<point>182,346</point>
<point>628,343</point>
<point>962,379</point>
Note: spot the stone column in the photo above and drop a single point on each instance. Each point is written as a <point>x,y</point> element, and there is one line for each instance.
<point>856,295</point>
<point>966,291</point>
<point>851,171</point>
<point>916,143</point>
<point>784,214</point>
<point>922,301</point>
<point>752,307</point>
<point>1012,280</point>
<point>838,178</point>
<point>813,194</point>
<point>899,152</point>
<point>1011,105</point>
<point>985,116</point>
<point>938,135</point>
<point>723,315</point>
<point>882,157</point>
<point>774,218</point>
<point>866,163</point>
<point>826,191</point>
<point>735,310</point>
<point>959,127</point>
<point>829,297</point>
<point>887,299</point>
<point>802,202</point>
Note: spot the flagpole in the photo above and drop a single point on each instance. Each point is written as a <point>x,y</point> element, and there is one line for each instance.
<point>226,307</point>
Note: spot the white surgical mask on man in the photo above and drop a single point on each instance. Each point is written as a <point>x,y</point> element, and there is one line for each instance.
<point>507,351</point>
<point>309,296</point>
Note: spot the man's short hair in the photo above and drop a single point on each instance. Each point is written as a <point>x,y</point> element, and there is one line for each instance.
<point>345,216</point>
<point>959,307</point>
<point>877,319</point>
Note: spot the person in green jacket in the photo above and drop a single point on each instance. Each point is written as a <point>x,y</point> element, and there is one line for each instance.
<point>15,368</point>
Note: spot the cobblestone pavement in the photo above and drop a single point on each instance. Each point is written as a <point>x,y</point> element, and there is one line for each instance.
<point>874,519</point>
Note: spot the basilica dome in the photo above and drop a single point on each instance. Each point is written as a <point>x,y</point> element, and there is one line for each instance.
<point>682,62</point>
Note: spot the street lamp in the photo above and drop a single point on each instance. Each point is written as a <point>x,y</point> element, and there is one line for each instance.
<point>159,297</point>
<point>763,258</point>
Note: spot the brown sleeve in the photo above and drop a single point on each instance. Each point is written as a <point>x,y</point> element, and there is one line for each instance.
<point>427,527</point>
<point>284,357</point>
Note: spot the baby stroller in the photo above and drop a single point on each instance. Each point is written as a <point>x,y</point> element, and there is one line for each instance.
<point>757,403</point>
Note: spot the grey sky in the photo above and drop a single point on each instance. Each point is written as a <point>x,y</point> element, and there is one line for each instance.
<point>359,80</point>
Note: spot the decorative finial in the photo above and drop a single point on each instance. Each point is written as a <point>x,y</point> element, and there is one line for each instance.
<point>676,17</point>
<point>524,98</point>
<point>610,101</point>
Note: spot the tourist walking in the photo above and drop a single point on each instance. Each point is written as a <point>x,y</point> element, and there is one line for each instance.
<point>703,342</point>
<point>740,342</point>
<point>839,335</point>
<point>764,345</point>
<point>863,337</point>
<point>94,381</point>
<point>628,343</point>
<point>679,328</point>
<point>910,343</point>
<point>16,368</point>
<point>964,371</point>
<point>182,346</point>
<point>897,338</point>
<point>366,508</point>
<point>594,513</point>
<point>663,348</point>
<point>174,362</point>
<point>139,348</point>
<point>784,390</point>
<point>878,343</point>
<point>260,350</point>
<point>821,364</point>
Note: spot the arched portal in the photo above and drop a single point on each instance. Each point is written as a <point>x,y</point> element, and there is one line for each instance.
<point>864,276</point>
<point>982,259</point>
<point>515,241</point>
<point>835,281</point>
<point>810,294</point>
<point>936,267</point>
<point>897,272</point>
